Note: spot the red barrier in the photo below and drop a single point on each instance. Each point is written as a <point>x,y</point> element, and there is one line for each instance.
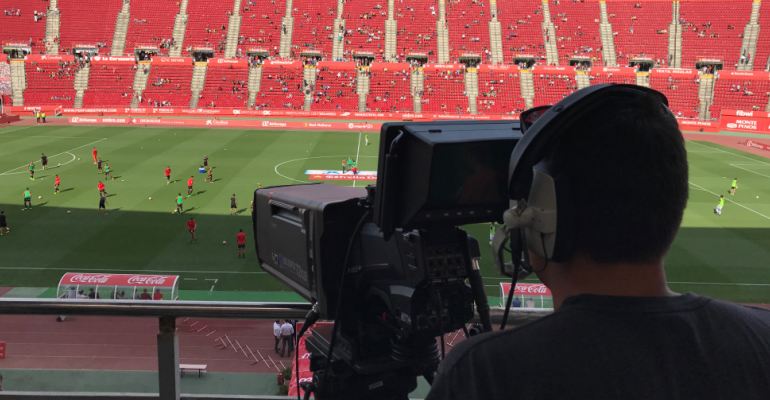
<point>3,57</point>
<point>9,118</point>
<point>443,67</point>
<point>745,75</point>
<point>694,124</point>
<point>233,123</point>
<point>545,69</point>
<point>337,64</point>
<point>756,145</point>
<point>501,68</point>
<point>753,124</point>
<point>282,63</point>
<point>619,71</point>
<point>2,350</point>
<point>173,60</point>
<point>666,72</point>
<point>741,113</point>
<point>45,58</point>
<point>380,66</point>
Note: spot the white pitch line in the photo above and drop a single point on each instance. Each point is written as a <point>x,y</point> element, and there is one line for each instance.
<point>746,169</point>
<point>728,152</point>
<point>357,153</point>
<point>53,167</point>
<point>133,270</point>
<point>25,127</point>
<point>79,147</point>
<point>212,286</point>
<point>300,159</point>
<point>720,283</point>
<point>732,201</point>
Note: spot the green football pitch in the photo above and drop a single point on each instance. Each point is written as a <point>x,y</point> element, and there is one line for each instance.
<point>726,257</point>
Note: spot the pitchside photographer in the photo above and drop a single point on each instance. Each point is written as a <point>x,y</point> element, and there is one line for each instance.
<point>613,163</point>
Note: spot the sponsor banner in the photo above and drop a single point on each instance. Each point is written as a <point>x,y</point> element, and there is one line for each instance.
<point>745,75</point>
<point>100,120</point>
<point>228,62</point>
<point>695,122</point>
<point>741,113</point>
<point>326,172</point>
<point>283,63</point>
<point>32,108</point>
<point>201,111</point>
<point>162,281</point>
<point>526,289</point>
<point>443,67</point>
<point>666,72</point>
<point>546,69</point>
<point>3,57</point>
<point>760,146</point>
<point>90,110</point>
<point>346,177</point>
<point>381,66</point>
<point>97,60</point>
<point>615,71</point>
<point>715,60</point>
<point>745,124</point>
<point>46,58</point>
<point>337,64</point>
<point>495,68</point>
<point>172,60</point>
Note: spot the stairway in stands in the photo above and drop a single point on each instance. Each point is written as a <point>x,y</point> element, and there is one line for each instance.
<point>308,76</point>
<point>390,33</point>
<point>472,89</point>
<point>608,42</point>
<point>18,82</point>
<point>140,82</point>
<point>81,84</point>
<point>338,46</point>
<point>418,83</point>
<point>362,87</point>
<point>527,87</point>
<point>495,37</point>
<point>233,31</point>
<point>675,38</point>
<point>582,79</point>
<point>706,96</point>
<point>255,83</point>
<point>52,25</point>
<point>121,30</point>
<point>180,27</point>
<point>643,79</point>
<point>443,33</point>
<point>551,51</point>
<point>287,22</point>
<point>198,82</point>
<point>750,38</point>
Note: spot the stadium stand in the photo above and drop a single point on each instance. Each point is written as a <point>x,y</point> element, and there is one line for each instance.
<point>18,25</point>
<point>468,23</point>
<point>335,89</point>
<point>207,25</point>
<point>365,26</point>
<point>281,88</point>
<point>682,94</point>
<point>84,24</point>
<point>711,29</point>
<point>151,23</point>
<point>109,85</point>
<point>225,88</point>
<point>608,77</point>
<point>763,51</point>
<point>521,24</point>
<point>390,91</point>
<point>577,29</point>
<point>640,29</point>
<point>500,93</point>
<point>416,25</point>
<point>261,25</point>
<point>551,88</point>
<point>739,94</point>
<point>50,84</point>
<point>313,26</point>
<point>444,92</point>
<point>169,86</point>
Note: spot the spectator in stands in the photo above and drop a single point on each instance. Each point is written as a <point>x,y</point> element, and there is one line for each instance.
<point>530,303</point>
<point>516,302</point>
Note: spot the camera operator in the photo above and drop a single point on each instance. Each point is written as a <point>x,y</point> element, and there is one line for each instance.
<point>618,331</point>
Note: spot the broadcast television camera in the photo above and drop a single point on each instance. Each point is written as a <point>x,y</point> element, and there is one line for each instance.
<point>389,263</point>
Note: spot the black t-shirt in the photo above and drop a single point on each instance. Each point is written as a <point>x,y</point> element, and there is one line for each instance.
<point>3,220</point>
<point>232,201</point>
<point>602,347</point>
<point>44,159</point>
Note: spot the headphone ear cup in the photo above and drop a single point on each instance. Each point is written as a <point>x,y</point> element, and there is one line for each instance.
<point>566,220</point>
<point>552,234</point>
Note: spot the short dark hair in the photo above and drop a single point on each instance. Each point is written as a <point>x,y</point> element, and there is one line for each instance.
<point>628,172</point>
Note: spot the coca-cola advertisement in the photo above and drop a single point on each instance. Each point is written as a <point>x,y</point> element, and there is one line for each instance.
<point>158,281</point>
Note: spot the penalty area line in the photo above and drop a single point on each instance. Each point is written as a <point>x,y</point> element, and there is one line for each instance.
<point>731,201</point>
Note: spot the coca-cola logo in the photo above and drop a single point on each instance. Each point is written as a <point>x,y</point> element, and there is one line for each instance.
<point>744,113</point>
<point>141,280</point>
<point>90,279</point>
<point>532,289</point>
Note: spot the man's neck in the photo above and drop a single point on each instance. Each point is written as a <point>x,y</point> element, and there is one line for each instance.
<point>583,276</point>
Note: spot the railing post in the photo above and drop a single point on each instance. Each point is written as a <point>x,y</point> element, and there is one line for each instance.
<point>168,359</point>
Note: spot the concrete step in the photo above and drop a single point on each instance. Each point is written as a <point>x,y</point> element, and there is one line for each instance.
<point>121,31</point>
<point>178,34</point>
<point>255,83</point>
<point>338,46</point>
<point>78,99</point>
<point>527,83</point>
<point>233,31</point>
<point>582,79</point>
<point>643,79</point>
<point>52,25</point>
<point>81,78</point>
<point>496,41</point>
<point>390,37</point>
<point>284,49</point>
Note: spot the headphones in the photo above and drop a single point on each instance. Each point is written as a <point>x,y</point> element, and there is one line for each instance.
<point>542,201</point>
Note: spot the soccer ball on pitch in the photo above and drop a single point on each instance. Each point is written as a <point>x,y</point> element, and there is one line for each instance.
<point>175,211</point>
<point>39,197</point>
<point>78,159</point>
<point>150,198</point>
<point>60,164</point>
<point>223,242</point>
<point>68,211</point>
